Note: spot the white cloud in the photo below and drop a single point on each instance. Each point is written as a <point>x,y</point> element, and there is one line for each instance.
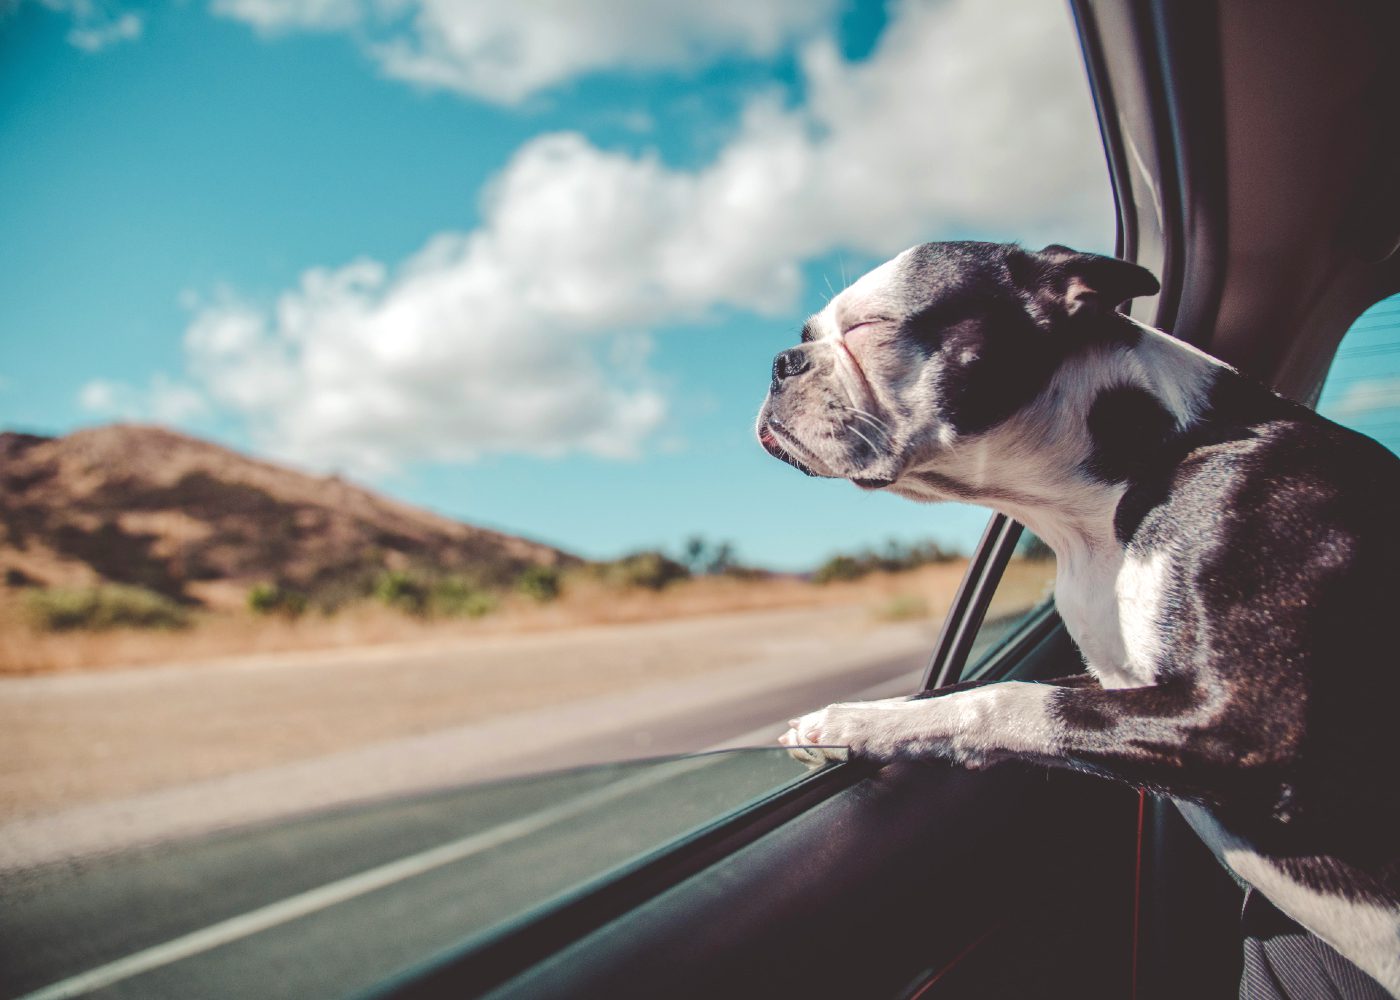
<point>98,35</point>
<point>529,334</point>
<point>449,358</point>
<point>288,15</point>
<point>505,52</point>
<point>94,24</point>
<point>1367,396</point>
<point>163,400</point>
<point>106,398</point>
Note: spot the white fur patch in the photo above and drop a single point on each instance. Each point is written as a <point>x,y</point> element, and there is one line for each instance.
<point>1367,934</point>
<point>1140,589</point>
<point>1181,375</point>
<point>1120,638</point>
<point>967,727</point>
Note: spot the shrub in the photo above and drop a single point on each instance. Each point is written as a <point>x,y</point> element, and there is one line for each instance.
<point>895,557</point>
<point>62,609</point>
<point>647,570</point>
<point>840,568</point>
<point>455,597</point>
<point>272,598</point>
<point>540,582</point>
<point>402,590</point>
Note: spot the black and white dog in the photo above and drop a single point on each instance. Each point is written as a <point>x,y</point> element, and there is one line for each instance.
<point>1227,560</point>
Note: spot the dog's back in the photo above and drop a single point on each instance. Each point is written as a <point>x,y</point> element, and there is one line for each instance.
<point>1285,566</point>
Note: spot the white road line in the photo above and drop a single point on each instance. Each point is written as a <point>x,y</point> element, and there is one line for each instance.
<point>329,895</point>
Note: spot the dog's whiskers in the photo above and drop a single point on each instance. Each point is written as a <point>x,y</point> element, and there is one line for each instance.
<point>856,431</point>
<point>878,422</point>
<point>873,421</point>
<point>883,433</point>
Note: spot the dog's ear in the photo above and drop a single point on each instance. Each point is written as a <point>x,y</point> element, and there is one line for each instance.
<point>1065,283</point>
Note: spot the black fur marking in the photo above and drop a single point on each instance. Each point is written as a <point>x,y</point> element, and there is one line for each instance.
<point>1128,426</point>
<point>1236,409</point>
<point>995,319</point>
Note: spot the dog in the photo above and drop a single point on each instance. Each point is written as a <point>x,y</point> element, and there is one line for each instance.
<point>1226,561</point>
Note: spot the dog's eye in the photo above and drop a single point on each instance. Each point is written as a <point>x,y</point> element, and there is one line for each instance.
<point>873,321</point>
<point>808,335</point>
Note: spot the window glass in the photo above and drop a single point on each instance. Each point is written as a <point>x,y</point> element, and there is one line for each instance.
<point>1362,389</point>
<point>377,399</point>
<point>335,903</point>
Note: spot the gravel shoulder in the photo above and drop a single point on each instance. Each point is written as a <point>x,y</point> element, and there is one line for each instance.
<point>83,739</point>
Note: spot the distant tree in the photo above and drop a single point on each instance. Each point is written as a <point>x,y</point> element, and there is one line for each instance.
<point>722,559</point>
<point>712,559</point>
<point>694,551</point>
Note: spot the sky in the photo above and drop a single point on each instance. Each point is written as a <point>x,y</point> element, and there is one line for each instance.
<point>523,264</point>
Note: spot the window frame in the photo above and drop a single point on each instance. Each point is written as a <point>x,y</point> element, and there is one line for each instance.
<point>970,603</point>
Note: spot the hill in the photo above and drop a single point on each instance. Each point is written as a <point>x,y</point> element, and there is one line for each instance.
<point>202,524</point>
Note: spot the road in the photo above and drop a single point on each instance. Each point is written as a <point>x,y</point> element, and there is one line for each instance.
<point>319,876</point>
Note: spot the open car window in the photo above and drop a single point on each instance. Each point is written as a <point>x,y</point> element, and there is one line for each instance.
<point>362,491</point>
<point>1362,389</point>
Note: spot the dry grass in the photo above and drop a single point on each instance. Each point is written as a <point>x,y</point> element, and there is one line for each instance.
<point>25,650</point>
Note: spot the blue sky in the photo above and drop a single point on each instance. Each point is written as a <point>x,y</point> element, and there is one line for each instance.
<point>526,272</point>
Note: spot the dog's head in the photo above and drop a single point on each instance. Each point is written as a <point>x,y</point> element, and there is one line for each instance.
<point>938,346</point>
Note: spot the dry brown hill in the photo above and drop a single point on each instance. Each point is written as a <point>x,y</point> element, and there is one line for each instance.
<point>196,521</point>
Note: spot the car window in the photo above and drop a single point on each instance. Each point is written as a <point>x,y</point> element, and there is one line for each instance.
<point>1362,389</point>
<point>392,433</point>
<point>327,891</point>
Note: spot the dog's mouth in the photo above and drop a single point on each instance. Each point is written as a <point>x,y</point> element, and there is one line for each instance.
<point>780,443</point>
<point>782,446</point>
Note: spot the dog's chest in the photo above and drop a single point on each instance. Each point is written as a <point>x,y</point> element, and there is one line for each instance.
<point>1112,604</point>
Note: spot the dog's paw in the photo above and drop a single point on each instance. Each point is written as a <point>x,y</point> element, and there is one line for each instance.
<point>895,729</point>
<point>807,741</point>
<point>840,731</point>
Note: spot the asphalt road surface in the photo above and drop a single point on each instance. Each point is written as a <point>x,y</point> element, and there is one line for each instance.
<point>333,900</point>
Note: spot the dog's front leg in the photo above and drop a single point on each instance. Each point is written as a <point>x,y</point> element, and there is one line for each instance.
<point>971,727</point>
<point>1163,736</point>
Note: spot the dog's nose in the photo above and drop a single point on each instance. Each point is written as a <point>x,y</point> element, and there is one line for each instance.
<point>789,363</point>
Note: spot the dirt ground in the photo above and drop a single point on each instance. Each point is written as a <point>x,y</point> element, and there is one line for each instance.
<point>71,738</point>
<point>76,738</point>
<point>23,650</point>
